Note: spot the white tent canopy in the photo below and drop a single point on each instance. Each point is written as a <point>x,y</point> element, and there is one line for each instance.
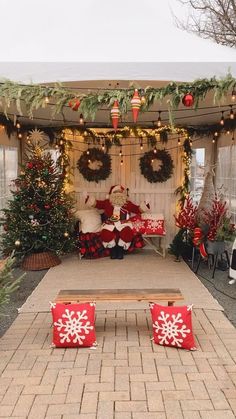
<point>92,40</point>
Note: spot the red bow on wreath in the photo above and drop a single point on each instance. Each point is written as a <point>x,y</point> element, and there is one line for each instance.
<point>198,238</point>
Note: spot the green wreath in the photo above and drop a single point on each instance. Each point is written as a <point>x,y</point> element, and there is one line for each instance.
<point>94,175</point>
<point>165,171</point>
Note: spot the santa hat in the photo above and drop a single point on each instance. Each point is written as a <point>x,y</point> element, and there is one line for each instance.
<point>116,188</point>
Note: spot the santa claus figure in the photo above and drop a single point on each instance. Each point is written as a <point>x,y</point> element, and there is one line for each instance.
<point>117,232</point>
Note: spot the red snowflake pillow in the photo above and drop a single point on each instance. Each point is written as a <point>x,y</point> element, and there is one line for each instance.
<point>73,325</point>
<point>155,227</point>
<point>172,326</point>
<point>138,224</point>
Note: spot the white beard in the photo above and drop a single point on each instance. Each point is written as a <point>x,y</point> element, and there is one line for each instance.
<point>117,199</point>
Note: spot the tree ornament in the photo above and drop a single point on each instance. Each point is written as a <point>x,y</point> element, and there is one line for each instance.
<point>47,206</point>
<point>188,100</point>
<point>36,135</point>
<point>66,234</point>
<point>135,105</point>
<point>74,104</point>
<point>30,165</point>
<point>115,114</point>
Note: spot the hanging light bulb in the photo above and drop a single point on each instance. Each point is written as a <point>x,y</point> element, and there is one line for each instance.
<point>88,152</point>
<point>190,142</point>
<point>222,120</point>
<point>155,150</point>
<point>159,120</point>
<point>179,142</point>
<point>231,114</point>
<point>228,132</point>
<point>122,161</point>
<point>141,145</point>
<point>120,153</point>
<point>89,161</point>
<point>152,160</point>
<point>19,135</point>
<point>81,119</point>
<point>213,141</point>
<point>233,97</point>
<point>103,146</point>
<point>215,134</point>
<point>18,125</point>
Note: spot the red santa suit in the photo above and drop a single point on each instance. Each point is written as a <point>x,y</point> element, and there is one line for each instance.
<point>116,229</point>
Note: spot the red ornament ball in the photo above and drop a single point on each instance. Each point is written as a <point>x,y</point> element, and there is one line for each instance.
<point>30,165</point>
<point>188,100</point>
<point>47,206</point>
<point>74,104</point>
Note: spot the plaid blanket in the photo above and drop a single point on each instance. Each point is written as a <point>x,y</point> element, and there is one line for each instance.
<point>90,245</point>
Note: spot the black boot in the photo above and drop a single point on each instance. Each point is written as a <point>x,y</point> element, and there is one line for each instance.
<point>120,252</point>
<point>113,252</point>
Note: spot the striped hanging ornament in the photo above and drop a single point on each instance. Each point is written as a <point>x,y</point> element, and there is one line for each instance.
<point>135,105</point>
<point>115,114</point>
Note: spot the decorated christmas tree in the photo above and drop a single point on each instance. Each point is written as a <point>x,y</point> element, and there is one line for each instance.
<point>39,217</point>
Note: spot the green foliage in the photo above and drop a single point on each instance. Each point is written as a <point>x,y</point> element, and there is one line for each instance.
<point>39,216</point>
<point>33,96</point>
<point>226,230</point>
<point>165,171</point>
<point>7,282</point>
<point>95,155</point>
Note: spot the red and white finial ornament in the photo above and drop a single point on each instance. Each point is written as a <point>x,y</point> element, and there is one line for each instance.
<point>135,105</point>
<point>188,100</point>
<point>115,114</point>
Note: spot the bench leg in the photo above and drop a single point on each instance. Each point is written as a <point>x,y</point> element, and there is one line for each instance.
<point>170,303</point>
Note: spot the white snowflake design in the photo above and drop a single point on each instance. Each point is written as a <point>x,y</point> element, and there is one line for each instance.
<point>169,331</point>
<point>138,225</point>
<point>73,326</point>
<point>154,224</point>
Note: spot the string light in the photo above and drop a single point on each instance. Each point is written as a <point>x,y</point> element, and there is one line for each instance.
<point>103,146</point>
<point>17,243</point>
<point>19,135</point>
<point>88,152</point>
<point>81,119</point>
<point>66,234</point>
<point>179,142</point>
<point>159,120</point>
<point>122,161</point>
<point>141,145</point>
<point>155,150</point>
<point>231,114</point>
<point>18,125</point>
<point>222,121</point>
<point>120,153</point>
<point>213,141</point>
<point>215,134</point>
<point>228,132</point>
<point>152,160</point>
<point>190,142</point>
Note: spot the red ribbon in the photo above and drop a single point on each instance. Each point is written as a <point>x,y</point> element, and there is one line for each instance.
<point>198,237</point>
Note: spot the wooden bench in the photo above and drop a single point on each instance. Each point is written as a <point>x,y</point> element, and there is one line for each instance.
<point>149,294</point>
<point>156,242</point>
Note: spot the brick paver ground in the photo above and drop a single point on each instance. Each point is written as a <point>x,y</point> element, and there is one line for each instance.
<point>126,377</point>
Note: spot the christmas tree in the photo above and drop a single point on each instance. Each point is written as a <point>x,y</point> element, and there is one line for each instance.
<point>39,216</point>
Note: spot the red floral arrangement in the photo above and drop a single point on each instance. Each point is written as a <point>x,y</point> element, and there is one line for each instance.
<point>186,218</point>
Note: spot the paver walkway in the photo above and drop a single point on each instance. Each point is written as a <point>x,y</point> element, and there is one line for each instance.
<point>127,376</point>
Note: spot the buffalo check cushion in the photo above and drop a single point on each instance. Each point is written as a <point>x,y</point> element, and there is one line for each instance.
<point>73,325</point>
<point>172,326</point>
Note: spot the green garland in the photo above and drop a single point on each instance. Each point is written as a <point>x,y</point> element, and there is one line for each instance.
<point>94,155</point>
<point>165,171</point>
<point>36,96</point>
<point>183,190</point>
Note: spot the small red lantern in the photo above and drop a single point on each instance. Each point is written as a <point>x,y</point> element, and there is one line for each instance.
<point>74,104</point>
<point>188,100</point>
<point>115,114</point>
<point>135,105</point>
